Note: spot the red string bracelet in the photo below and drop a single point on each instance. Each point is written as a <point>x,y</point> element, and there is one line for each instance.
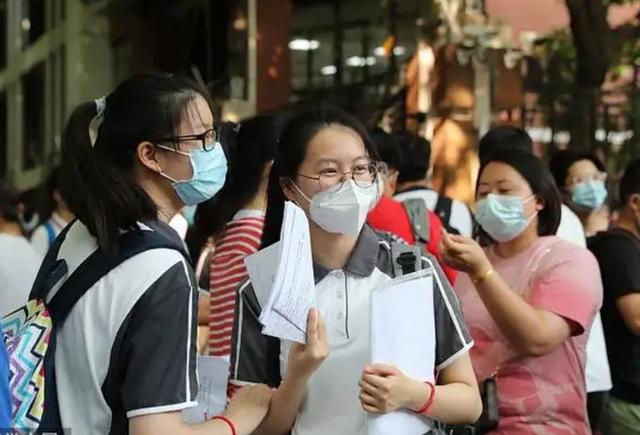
<point>429,402</point>
<point>228,421</point>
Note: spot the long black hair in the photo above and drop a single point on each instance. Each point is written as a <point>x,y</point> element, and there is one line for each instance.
<point>48,204</point>
<point>292,150</point>
<point>539,178</point>
<point>99,181</point>
<point>256,141</point>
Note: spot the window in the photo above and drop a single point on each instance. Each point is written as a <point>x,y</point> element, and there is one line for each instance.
<point>122,51</point>
<point>3,33</point>
<point>33,116</point>
<point>33,21</point>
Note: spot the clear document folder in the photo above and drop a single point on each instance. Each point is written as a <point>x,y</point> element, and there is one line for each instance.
<point>403,335</point>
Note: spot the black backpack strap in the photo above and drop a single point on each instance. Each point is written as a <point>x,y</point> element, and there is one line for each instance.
<point>443,209</point>
<point>99,264</point>
<point>405,259</point>
<point>419,218</point>
<point>51,269</point>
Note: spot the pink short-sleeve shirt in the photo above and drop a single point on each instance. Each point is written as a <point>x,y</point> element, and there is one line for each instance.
<point>538,395</point>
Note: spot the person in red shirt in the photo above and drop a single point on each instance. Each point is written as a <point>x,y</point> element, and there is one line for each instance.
<point>389,215</point>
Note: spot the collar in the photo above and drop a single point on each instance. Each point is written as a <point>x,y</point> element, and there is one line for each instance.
<point>363,259</point>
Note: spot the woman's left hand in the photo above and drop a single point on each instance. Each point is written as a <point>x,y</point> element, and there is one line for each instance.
<point>463,254</point>
<point>384,389</point>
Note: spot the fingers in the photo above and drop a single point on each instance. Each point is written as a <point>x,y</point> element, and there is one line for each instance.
<point>368,399</point>
<point>322,330</point>
<point>382,370</point>
<point>312,327</point>
<point>376,382</point>
<point>368,388</point>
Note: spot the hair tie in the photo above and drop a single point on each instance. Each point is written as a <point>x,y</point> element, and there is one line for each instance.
<point>101,105</point>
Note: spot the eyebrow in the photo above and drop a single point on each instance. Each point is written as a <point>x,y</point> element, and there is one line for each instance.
<point>326,160</point>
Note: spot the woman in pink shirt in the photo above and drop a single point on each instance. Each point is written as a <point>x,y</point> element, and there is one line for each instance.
<point>529,299</point>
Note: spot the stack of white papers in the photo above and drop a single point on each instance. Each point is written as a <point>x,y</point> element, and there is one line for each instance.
<point>213,373</point>
<point>282,279</point>
<point>403,335</point>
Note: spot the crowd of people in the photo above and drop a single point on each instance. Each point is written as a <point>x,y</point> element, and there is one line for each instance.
<point>536,306</point>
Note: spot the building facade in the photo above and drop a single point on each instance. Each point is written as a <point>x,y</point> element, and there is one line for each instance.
<point>53,55</point>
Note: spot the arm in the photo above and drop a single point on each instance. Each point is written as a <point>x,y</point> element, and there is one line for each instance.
<point>457,399</point>
<point>203,322</point>
<point>284,408</point>
<point>303,362</point>
<point>560,303</point>
<point>531,331</point>
<point>629,308</point>
<point>244,413</point>
<point>170,423</point>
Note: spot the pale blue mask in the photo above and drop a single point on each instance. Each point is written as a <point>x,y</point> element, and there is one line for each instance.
<point>209,173</point>
<point>590,194</point>
<point>502,216</point>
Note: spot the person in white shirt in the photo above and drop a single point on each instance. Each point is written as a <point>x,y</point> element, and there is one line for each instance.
<point>413,183</point>
<point>19,263</point>
<point>580,177</point>
<point>54,215</point>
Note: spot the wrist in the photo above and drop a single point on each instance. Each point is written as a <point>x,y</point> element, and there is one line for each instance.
<point>226,420</point>
<point>482,272</point>
<point>418,394</point>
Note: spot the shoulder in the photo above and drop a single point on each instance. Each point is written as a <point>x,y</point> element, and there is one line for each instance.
<point>147,266</point>
<point>556,252</point>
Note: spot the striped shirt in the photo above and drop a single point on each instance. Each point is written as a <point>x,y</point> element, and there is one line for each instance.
<point>227,271</point>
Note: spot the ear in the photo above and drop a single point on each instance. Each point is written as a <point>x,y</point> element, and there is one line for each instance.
<point>147,155</point>
<point>288,189</point>
<point>540,204</point>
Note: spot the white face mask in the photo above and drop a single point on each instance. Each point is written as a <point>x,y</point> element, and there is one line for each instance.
<point>343,209</point>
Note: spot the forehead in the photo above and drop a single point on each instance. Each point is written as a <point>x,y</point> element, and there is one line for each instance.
<point>336,143</point>
<point>197,117</point>
<point>498,172</point>
<point>582,167</point>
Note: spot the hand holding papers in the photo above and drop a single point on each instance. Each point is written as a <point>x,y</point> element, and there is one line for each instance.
<point>282,278</point>
<point>403,335</point>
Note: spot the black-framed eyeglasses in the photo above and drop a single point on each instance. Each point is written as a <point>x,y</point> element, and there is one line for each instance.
<point>363,175</point>
<point>209,138</point>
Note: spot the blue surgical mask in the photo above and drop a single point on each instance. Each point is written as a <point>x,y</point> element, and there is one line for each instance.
<point>590,194</point>
<point>209,173</point>
<point>189,213</point>
<point>502,216</point>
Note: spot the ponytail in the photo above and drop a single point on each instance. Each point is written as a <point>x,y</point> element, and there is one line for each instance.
<point>99,193</point>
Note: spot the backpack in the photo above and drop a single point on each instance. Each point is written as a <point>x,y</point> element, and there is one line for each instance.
<point>51,232</point>
<point>419,218</point>
<point>30,332</point>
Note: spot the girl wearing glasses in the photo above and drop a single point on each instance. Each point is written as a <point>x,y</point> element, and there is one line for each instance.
<point>327,386</point>
<point>581,178</point>
<point>126,354</point>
